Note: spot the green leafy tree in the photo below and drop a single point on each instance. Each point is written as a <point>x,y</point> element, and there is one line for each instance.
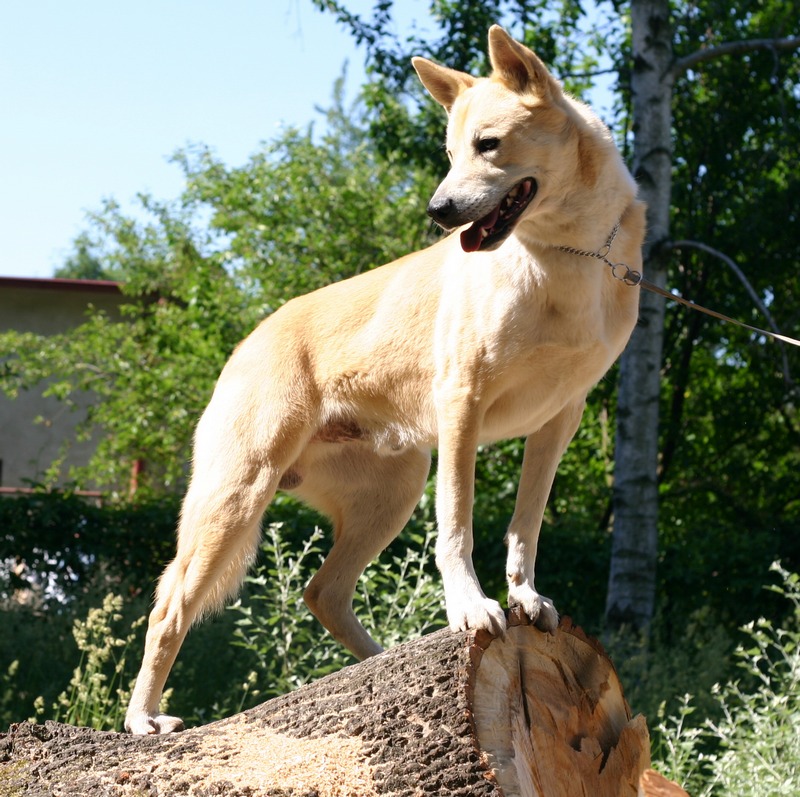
<point>82,264</point>
<point>404,119</point>
<point>198,275</point>
<point>669,46</point>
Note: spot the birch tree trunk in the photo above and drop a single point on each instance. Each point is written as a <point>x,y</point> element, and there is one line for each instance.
<point>631,585</point>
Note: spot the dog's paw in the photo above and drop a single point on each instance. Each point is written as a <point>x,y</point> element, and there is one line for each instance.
<point>479,614</point>
<point>141,724</point>
<point>539,609</point>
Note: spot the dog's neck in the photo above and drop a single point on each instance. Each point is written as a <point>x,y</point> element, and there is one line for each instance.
<point>582,204</point>
<point>574,221</point>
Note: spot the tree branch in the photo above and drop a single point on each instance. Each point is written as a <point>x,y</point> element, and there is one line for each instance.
<point>731,48</point>
<point>591,73</point>
<point>686,244</point>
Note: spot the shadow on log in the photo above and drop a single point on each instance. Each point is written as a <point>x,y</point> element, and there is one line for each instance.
<point>448,714</point>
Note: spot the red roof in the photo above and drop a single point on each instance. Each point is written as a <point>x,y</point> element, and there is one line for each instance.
<point>52,283</point>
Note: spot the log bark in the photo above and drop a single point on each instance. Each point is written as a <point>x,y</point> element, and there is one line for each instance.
<point>450,714</point>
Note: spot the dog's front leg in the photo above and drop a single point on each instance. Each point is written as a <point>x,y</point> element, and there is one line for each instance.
<point>467,605</point>
<point>543,451</point>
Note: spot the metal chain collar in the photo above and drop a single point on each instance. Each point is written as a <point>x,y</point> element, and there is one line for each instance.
<point>629,276</point>
<point>620,271</point>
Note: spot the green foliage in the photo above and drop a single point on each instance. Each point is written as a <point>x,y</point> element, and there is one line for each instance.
<point>9,684</point>
<point>303,213</point>
<point>656,670</point>
<point>751,746</point>
<point>398,598</point>
<point>199,274</point>
<point>54,545</point>
<point>150,373</point>
<point>82,264</point>
<point>102,682</point>
<point>730,431</point>
<point>403,117</point>
<point>40,658</point>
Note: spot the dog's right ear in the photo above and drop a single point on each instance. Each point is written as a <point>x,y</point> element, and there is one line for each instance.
<point>443,84</point>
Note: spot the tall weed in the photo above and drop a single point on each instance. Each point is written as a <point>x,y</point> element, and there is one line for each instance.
<point>100,687</point>
<point>753,749</point>
<point>398,598</point>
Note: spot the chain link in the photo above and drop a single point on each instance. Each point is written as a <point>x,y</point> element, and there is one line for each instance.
<point>620,271</point>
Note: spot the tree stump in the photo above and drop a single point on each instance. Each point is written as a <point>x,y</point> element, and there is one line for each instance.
<point>449,714</point>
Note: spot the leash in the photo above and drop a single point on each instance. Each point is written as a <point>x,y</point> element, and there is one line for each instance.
<point>629,276</point>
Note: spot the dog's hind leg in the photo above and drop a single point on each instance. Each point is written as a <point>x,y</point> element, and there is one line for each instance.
<point>369,498</point>
<point>237,469</point>
<point>543,451</point>
<point>218,536</point>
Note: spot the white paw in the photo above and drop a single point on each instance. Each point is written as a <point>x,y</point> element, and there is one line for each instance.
<point>142,724</point>
<point>539,609</point>
<point>476,614</point>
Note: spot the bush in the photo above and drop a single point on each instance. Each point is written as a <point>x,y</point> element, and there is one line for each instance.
<point>657,671</point>
<point>397,597</point>
<point>753,749</point>
<point>53,545</point>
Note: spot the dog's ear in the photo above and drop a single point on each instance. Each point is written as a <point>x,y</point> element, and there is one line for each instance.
<point>443,84</point>
<point>518,67</point>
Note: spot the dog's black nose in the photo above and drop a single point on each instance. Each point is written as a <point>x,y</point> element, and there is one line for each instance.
<point>443,211</point>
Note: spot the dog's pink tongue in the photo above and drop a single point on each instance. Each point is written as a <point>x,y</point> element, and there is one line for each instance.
<point>472,237</point>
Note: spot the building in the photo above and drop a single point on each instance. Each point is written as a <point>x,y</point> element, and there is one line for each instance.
<point>44,306</point>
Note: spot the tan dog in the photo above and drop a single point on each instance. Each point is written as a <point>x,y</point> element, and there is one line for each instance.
<point>340,395</point>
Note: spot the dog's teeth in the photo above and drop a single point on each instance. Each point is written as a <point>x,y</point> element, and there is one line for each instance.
<point>484,232</point>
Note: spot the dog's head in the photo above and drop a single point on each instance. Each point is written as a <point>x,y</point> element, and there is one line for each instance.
<point>508,139</point>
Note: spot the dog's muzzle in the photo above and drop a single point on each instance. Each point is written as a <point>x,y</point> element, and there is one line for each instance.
<point>489,230</point>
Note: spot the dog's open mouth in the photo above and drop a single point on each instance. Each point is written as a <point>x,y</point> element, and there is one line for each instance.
<point>495,226</point>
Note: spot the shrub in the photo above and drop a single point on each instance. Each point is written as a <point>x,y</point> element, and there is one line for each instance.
<point>397,595</point>
<point>753,749</point>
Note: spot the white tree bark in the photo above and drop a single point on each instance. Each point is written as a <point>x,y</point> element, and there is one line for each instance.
<point>631,586</point>
<point>632,576</point>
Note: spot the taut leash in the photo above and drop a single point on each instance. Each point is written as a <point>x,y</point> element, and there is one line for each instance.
<point>629,276</point>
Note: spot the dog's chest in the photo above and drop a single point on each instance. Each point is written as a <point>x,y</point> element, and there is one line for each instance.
<point>529,391</point>
<point>523,357</point>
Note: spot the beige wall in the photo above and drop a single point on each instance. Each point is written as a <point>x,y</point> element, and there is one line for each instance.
<point>46,307</point>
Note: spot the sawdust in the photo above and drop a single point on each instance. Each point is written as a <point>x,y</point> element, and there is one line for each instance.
<point>333,766</point>
<point>267,761</point>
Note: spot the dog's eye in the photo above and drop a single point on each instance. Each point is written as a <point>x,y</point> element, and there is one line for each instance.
<point>487,144</point>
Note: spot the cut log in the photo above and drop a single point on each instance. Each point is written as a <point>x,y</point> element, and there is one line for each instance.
<point>449,714</point>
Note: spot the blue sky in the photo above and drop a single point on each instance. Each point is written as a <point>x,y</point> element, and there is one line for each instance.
<point>95,97</point>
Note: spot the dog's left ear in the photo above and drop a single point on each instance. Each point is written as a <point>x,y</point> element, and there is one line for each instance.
<point>518,67</point>
<point>443,84</point>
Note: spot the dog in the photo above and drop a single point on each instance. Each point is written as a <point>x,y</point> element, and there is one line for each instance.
<point>496,331</point>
